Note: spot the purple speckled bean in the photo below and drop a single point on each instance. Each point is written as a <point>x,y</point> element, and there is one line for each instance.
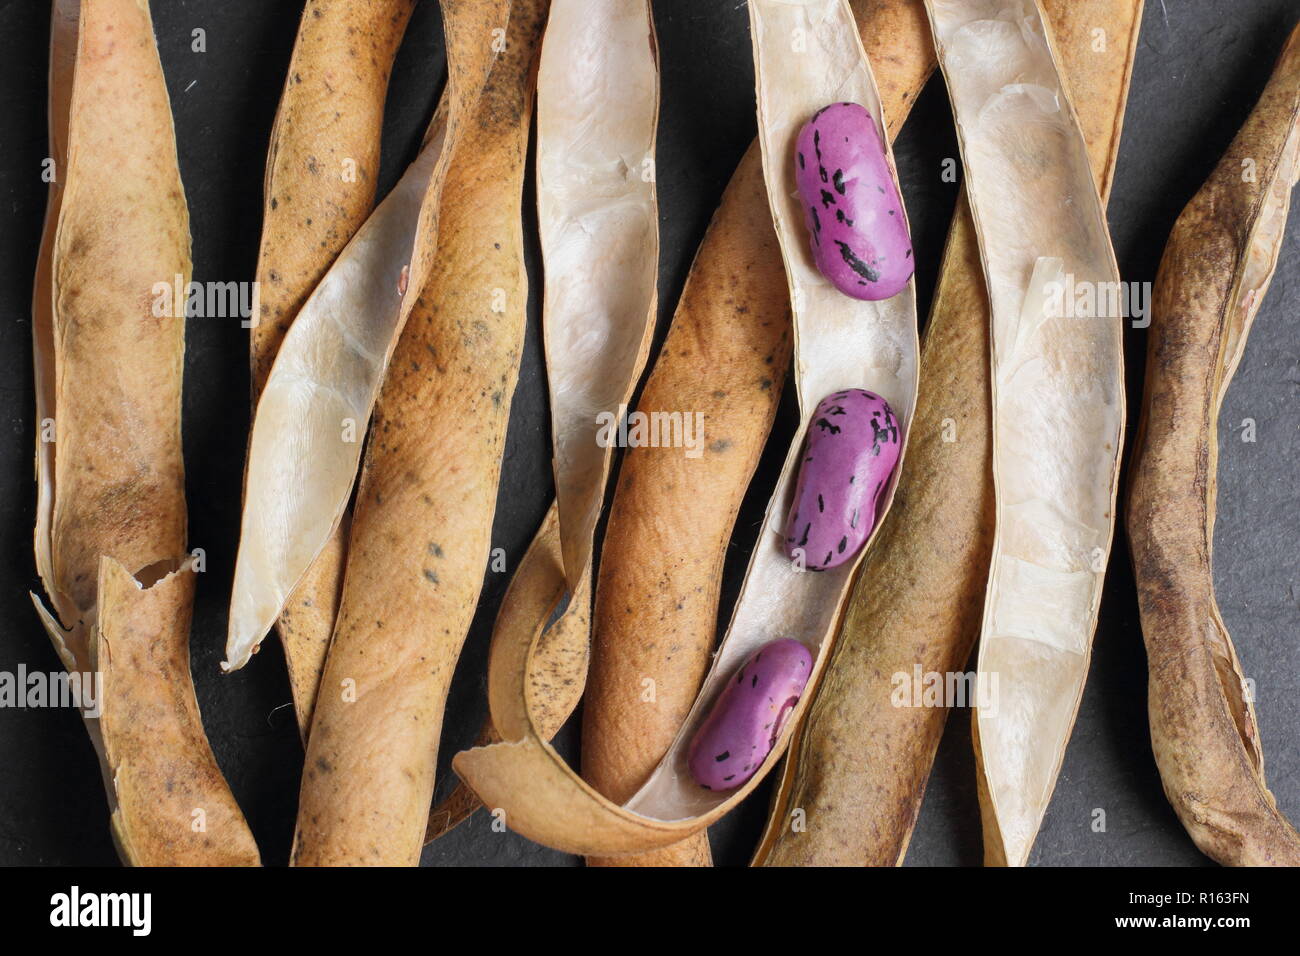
<point>853,447</point>
<point>851,204</point>
<point>749,715</point>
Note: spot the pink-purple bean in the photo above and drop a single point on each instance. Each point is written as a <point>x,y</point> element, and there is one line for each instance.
<point>853,447</point>
<point>851,204</point>
<point>749,715</point>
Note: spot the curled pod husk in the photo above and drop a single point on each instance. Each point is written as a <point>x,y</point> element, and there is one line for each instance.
<point>321,174</point>
<point>317,400</point>
<point>1215,272</point>
<point>559,668</point>
<point>672,516</point>
<point>597,214</point>
<point>421,532</point>
<point>111,523</point>
<point>1058,398</point>
<point>859,763</point>
<point>850,344</point>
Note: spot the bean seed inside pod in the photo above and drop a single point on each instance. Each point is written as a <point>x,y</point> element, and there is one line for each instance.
<point>749,715</point>
<point>853,446</point>
<point>854,214</point>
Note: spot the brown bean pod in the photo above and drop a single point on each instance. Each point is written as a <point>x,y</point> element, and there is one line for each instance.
<point>1215,271</point>
<point>109,342</point>
<point>321,175</point>
<point>421,534</point>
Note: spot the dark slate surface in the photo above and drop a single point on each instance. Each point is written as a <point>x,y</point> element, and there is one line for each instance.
<point>1201,64</point>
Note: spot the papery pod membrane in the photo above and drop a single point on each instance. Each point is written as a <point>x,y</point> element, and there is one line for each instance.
<point>321,175</point>
<point>542,797</point>
<point>672,514</point>
<point>1058,399</point>
<point>109,348</point>
<point>597,216</point>
<point>1216,269</point>
<point>859,762</point>
<point>421,533</point>
<point>558,669</point>
<point>312,416</point>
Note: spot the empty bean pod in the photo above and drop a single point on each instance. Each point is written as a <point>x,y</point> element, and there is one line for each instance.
<point>747,719</point>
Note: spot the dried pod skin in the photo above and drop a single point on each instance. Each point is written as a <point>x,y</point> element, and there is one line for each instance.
<point>305,445</point>
<point>853,447</point>
<point>853,210</point>
<point>321,174</point>
<point>1215,271</point>
<point>749,715</point>
<point>109,348</point>
<point>172,805</point>
<point>421,532</point>
<point>672,516</point>
<point>859,763</point>
<point>557,669</point>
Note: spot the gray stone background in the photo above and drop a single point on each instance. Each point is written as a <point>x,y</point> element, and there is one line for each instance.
<point>1200,66</point>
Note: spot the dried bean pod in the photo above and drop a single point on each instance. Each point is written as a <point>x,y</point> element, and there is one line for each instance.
<point>1215,271</point>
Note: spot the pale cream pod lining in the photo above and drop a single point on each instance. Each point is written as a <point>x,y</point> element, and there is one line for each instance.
<point>1058,393</point>
<point>597,113</point>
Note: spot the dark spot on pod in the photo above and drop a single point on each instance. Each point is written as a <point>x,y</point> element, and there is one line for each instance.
<point>754,683</point>
<point>817,225</point>
<point>844,543</point>
<point>725,755</point>
<point>804,540</point>
<point>802,164</point>
<point>838,180</point>
<point>827,198</point>
<point>821,505</point>
<point>829,558</point>
<point>854,522</point>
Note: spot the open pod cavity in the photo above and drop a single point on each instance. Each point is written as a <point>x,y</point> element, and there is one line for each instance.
<point>315,406</point>
<point>597,112</point>
<point>841,343</point>
<point>1216,269</point>
<point>1058,397</point>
